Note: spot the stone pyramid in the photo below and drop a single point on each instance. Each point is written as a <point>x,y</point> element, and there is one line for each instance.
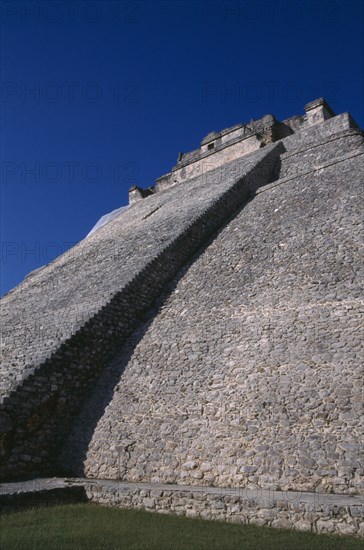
<point>208,334</point>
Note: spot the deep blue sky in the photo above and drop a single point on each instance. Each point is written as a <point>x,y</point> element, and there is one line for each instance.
<point>119,88</point>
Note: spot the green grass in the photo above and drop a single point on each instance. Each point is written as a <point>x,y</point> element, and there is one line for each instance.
<point>93,527</point>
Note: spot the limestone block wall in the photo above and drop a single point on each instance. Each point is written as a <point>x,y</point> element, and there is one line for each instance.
<point>53,302</point>
<point>319,513</point>
<point>249,373</point>
<point>266,125</point>
<point>286,510</point>
<point>228,145</point>
<point>315,153</point>
<point>210,162</point>
<point>240,140</point>
<point>64,323</point>
<point>319,133</point>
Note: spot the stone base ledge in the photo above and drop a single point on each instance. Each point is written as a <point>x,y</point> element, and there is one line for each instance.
<point>303,511</point>
<point>315,512</point>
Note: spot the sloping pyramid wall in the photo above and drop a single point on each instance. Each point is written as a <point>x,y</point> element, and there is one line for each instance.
<point>66,321</point>
<point>248,373</point>
<point>247,370</point>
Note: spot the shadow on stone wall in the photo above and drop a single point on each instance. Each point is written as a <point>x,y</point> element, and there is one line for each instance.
<point>74,453</point>
<point>41,411</point>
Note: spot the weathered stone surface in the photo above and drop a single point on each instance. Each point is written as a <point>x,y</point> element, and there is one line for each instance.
<point>246,371</point>
<point>113,276</point>
<point>320,513</point>
<point>251,363</point>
